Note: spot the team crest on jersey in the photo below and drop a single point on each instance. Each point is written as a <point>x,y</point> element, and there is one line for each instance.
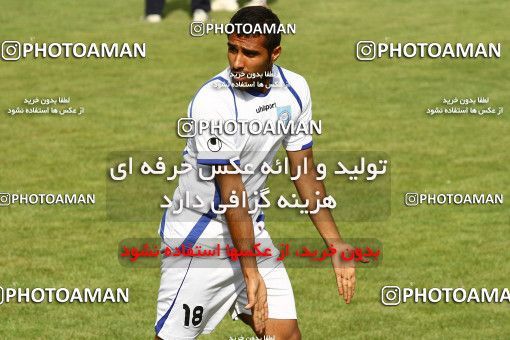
<point>283,113</point>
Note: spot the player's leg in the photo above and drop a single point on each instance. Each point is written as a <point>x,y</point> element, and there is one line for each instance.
<point>200,10</point>
<point>224,5</point>
<point>194,296</point>
<point>282,321</point>
<point>281,329</point>
<point>154,10</point>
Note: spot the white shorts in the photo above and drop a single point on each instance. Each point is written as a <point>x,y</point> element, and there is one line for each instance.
<point>195,296</point>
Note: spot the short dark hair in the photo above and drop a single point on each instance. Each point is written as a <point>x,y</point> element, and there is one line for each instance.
<point>260,15</point>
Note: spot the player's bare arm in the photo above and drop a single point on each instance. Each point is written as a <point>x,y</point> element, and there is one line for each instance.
<point>240,226</point>
<point>307,185</point>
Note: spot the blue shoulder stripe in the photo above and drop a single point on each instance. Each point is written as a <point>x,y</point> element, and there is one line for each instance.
<point>291,89</point>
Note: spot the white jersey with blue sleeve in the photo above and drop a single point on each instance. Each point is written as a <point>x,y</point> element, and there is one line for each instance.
<point>217,102</point>
<point>193,297</point>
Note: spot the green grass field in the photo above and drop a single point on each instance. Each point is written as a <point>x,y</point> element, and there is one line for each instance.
<point>133,105</point>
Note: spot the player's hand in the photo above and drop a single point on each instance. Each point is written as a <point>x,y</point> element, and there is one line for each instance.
<point>344,272</point>
<point>257,301</point>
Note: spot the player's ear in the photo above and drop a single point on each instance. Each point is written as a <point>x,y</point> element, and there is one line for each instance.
<point>276,53</point>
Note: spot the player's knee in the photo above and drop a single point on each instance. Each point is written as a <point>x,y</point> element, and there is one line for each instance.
<point>288,333</point>
<point>295,334</point>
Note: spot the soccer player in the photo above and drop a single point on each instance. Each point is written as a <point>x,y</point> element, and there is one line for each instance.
<point>194,296</point>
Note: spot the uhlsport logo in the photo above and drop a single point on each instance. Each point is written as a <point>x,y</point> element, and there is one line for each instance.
<point>266,107</point>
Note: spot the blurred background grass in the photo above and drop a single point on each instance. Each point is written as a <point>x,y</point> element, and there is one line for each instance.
<point>380,106</point>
